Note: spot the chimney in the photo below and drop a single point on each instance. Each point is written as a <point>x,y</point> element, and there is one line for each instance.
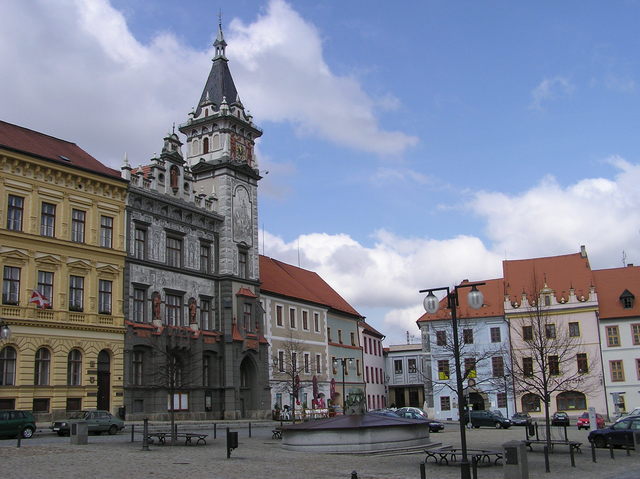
<point>583,251</point>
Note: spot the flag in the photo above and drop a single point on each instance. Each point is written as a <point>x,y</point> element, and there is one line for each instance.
<point>40,300</point>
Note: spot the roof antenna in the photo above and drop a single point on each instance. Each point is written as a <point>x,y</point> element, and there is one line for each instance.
<point>624,258</point>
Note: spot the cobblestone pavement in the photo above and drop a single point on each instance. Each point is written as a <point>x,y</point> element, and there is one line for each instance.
<point>262,457</point>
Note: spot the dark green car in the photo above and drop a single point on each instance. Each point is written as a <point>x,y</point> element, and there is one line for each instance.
<point>97,422</point>
<point>14,423</point>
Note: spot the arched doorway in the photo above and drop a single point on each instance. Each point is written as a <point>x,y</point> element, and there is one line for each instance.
<point>476,401</point>
<point>248,386</point>
<point>104,380</point>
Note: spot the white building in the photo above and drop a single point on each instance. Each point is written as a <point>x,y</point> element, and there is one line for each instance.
<point>405,378</point>
<point>373,360</point>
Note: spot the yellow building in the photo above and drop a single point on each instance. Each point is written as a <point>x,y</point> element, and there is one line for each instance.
<point>62,249</point>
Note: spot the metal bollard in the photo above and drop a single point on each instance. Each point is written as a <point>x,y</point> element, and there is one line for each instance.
<point>593,452</point>
<point>566,438</point>
<point>572,455</point>
<point>628,450</point>
<point>133,428</point>
<point>354,475</point>
<point>474,467</point>
<point>611,451</point>
<point>215,432</point>
<point>145,435</point>
<point>546,459</point>
<point>19,440</point>
<point>423,472</point>
<point>249,429</point>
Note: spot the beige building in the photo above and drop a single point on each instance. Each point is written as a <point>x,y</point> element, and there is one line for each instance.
<point>62,258</point>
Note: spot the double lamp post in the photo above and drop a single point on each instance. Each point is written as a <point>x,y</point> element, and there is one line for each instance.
<point>431,305</point>
<point>345,362</point>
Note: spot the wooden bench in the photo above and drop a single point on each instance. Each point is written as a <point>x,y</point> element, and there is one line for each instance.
<point>443,455</point>
<point>573,445</point>
<point>187,436</point>
<point>277,433</point>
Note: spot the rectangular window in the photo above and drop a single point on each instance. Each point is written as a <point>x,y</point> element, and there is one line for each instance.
<point>495,335</point>
<point>617,370</point>
<point>173,307</point>
<point>583,366</point>
<point>613,336</point>
<point>635,334</point>
<point>527,366</point>
<point>397,366</point>
<point>502,399</point>
<point>318,364</point>
<point>104,296</point>
<point>76,293</point>
<point>329,334</point>
<point>281,361</point>
<point>305,320</point>
<point>334,365</point>
<point>307,365</point>
<point>278,315</point>
<point>139,303</point>
<point>412,366</point>
<point>205,370</point>
<point>358,372</point>
<point>497,366</point>
<point>467,336</point>
<point>574,329</point>
<point>550,331</point>
<point>292,318</point>
<point>294,362</point>
<point>247,312</point>
<point>11,285</point>
<point>443,369</point>
<point>205,314</point>
<point>74,404</point>
<point>554,365</point>
<point>316,322</point>
<point>353,338</point>
<point>106,231</point>
<point>140,243</point>
<point>48,220</point>
<point>78,218</point>
<point>205,258</point>
<point>15,211</point>
<point>365,344</point>
<point>441,338</point>
<point>40,405</point>
<point>74,368</point>
<point>174,252</point>
<point>242,264</point>
<point>45,285</point>
<point>638,368</point>
<point>445,403</point>
<point>470,367</point>
<point>340,336</point>
<point>527,333</point>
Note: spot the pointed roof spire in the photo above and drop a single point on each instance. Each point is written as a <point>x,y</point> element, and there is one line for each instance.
<point>220,44</point>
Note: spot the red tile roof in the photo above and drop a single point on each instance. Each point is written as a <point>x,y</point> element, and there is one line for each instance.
<point>560,273</point>
<point>287,280</point>
<point>493,303</point>
<point>610,284</point>
<point>371,330</point>
<point>17,138</point>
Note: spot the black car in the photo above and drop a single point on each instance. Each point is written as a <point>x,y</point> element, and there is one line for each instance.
<point>521,419</point>
<point>618,434</point>
<point>560,419</point>
<point>434,426</point>
<point>487,418</point>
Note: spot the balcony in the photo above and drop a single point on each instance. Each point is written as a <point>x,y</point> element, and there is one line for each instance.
<point>36,315</point>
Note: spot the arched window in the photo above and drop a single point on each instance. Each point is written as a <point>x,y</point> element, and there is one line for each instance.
<point>42,367</point>
<point>205,145</point>
<point>7,366</point>
<point>530,402</point>
<point>569,400</point>
<point>74,368</point>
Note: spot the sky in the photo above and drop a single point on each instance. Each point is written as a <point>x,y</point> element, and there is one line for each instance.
<point>407,145</point>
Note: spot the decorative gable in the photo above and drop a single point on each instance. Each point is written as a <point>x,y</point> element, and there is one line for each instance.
<point>627,299</point>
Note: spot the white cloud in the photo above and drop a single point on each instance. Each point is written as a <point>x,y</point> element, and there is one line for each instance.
<point>79,73</point>
<point>548,89</point>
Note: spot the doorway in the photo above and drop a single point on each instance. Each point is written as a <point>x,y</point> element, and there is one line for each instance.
<point>476,401</point>
<point>104,380</point>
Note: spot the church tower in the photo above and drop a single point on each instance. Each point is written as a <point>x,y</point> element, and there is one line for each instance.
<point>220,138</point>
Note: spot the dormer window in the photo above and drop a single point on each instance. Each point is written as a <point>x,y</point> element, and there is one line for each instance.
<point>627,298</point>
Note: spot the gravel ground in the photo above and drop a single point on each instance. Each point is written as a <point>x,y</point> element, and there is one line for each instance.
<point>260,456</point>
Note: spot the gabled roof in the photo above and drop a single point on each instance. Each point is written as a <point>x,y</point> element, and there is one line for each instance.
<point>492,305</point>
<point>23,140</point>
<point>297,283</point>
<point>611,284</point>
<point>560,273</point>
<point>370,329</point>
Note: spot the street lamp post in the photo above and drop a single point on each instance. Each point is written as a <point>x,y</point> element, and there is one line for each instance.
<point>431,305</point>
<point>5,330</point>
<point>343,361</point>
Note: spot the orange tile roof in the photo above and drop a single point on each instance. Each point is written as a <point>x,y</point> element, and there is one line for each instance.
<point>287,280</point>
<point>610,284</point>
<point>371,330</point>
<point>493,303</point>
<point>20,139</point>
<point>560,273</point>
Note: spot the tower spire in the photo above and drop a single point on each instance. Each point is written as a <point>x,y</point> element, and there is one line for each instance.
<point>220,44</point>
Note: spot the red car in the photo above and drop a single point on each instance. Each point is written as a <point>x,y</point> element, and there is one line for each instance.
<point>583,421</point>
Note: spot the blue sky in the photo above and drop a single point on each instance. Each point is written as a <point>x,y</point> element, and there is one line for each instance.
<point>409,144</point>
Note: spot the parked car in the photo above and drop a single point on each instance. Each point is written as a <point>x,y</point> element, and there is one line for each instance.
<point>384,412</point>
<point>14,423</point>
<point>583,421</point>
<point>487,418</point>
<point>560,418</point>
<point>521,419</point>
<point>97,422</point>
<point>415,413</point>
<point>618,434</point>
<point>635,412</point>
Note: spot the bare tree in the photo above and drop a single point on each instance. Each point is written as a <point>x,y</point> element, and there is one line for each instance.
<point>288,365</point>
<point>545,357</point>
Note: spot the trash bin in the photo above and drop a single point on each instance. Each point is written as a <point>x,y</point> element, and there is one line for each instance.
<point>514,460</point>
<point>78,433</point>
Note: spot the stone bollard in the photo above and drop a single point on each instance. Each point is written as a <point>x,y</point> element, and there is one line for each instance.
<point>79,432</point>
<point>514,460</point>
